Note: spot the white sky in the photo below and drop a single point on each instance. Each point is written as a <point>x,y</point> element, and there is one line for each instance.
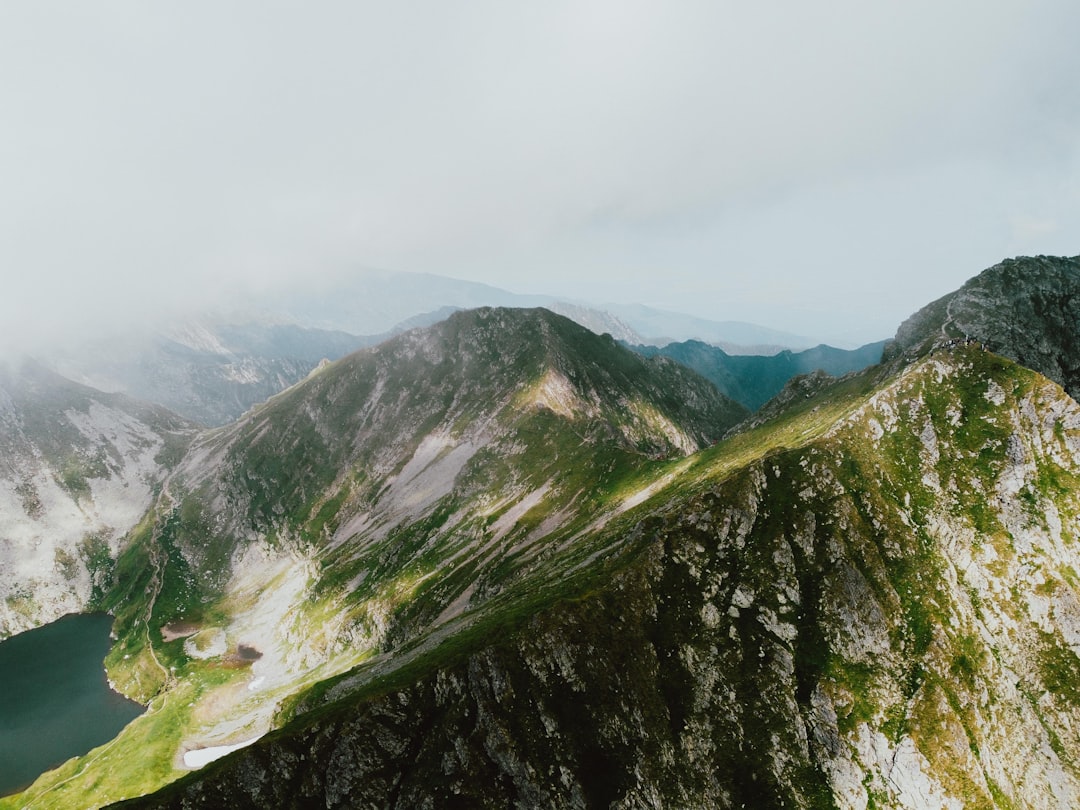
<point>824,168</point>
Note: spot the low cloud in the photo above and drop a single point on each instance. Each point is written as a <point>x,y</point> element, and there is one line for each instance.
<point>158,157</point>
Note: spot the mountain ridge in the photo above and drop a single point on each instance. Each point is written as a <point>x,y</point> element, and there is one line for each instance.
<point>212,366</point>
<point>549,586</point>
<point>839,662</point>
<point>395,493</point>
<point>1024,308</point>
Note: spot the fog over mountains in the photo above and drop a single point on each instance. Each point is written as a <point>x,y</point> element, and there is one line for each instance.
<point>211,367</point>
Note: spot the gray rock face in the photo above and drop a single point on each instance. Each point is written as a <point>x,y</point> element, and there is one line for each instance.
<point>78,469</point>
<point>1026,309</point>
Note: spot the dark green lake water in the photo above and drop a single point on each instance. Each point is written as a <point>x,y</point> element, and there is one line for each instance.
<point>55,702</point>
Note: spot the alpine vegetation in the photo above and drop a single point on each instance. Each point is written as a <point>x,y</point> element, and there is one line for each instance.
<point>503,561</point>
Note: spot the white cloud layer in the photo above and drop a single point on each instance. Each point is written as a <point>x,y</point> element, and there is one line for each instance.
<point>824,168</point>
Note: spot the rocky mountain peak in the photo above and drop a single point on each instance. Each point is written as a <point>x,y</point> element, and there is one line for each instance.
<point>1026,309</point>
<point>444,457</point>
<point>432,398</point>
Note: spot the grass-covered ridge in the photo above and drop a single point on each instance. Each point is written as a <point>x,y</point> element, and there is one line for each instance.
<point>842,562</point>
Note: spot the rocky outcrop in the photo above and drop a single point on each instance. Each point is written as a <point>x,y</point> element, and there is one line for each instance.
<point>1026,309</point>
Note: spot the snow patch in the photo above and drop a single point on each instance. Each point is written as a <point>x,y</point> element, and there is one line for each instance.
<point>204,756</point>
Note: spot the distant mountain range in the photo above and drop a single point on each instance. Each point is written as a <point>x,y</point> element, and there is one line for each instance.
<point>207,370</point>
<point>661,327</point>
<point>372,301</point>
<point>752,380</point>
<point>214,367</point>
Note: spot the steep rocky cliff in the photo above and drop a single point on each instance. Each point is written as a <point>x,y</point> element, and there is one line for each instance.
<point>1026,309</point>
<point>78,469</point>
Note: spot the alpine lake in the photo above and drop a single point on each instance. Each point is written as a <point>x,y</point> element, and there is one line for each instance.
<point>55,700</point>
